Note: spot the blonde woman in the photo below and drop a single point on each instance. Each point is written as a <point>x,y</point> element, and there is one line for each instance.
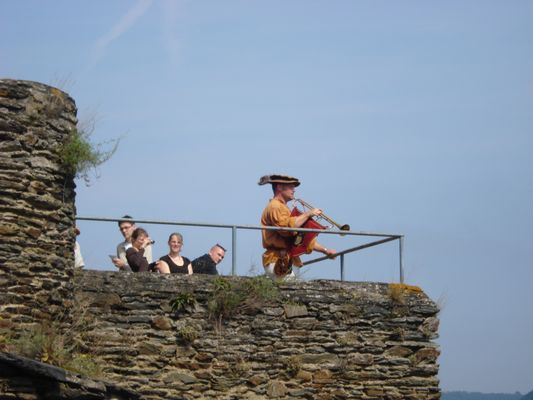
<point>174,262</point>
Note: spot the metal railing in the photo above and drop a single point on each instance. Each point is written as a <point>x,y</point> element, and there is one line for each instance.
<point>386,237</point>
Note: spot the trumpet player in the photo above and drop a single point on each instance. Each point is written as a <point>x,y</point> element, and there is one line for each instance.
<point>278,264</point>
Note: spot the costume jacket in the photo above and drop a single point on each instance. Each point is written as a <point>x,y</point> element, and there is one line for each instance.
<point>277,243</point>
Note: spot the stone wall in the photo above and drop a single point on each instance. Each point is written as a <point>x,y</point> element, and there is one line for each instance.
<point>23,378</point>
<point>319,340</point>
<point>36,202</point>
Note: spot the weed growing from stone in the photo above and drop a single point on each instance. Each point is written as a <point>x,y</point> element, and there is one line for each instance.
<point>347,339</point>
<point>288,301</point>
<point>293,365</point>
<point>60,342</point>
<point>188,333</point>
<point>397,294</point>
<point>55,104</point>
<point>46,342</point>
<point>230,297</point>
<point>183,301</point>
<point>238,368</point>
<point>398,291</point>
<point>79,156</point>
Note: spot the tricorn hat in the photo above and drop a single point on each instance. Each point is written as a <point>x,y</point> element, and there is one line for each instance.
<point>278,179</point>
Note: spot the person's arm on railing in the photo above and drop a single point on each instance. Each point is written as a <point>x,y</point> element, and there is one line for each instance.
<point>330,253</point>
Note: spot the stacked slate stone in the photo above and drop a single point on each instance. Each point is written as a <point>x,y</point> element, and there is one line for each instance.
<point>36,202</point>
<point>319,340</point>
<point>23,378</point>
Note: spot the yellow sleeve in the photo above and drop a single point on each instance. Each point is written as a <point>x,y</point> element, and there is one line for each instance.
<point>280,215</point>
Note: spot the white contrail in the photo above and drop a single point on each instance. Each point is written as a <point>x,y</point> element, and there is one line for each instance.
<point>120,28</point>
<point>173,10</point>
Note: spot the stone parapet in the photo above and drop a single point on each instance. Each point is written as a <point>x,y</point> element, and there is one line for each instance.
<point>23,378</point>
<point>313,340</point>
<point>319,340</point>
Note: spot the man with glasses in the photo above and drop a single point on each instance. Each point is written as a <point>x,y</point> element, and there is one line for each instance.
<point>126,226</point>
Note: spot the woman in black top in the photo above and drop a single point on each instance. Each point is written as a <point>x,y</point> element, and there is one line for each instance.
<point>173,262</point>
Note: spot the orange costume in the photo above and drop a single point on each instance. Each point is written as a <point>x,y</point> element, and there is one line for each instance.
<point>277,243</point>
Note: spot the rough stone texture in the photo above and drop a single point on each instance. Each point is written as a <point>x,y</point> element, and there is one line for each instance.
<point>23,378</point>
<point>36,201</point>
<point>321,340</point>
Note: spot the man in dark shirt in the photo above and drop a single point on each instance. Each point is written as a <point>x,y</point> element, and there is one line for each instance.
<point>207,264</point>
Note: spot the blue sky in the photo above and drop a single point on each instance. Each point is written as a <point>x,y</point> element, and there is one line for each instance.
<point>411,117</point>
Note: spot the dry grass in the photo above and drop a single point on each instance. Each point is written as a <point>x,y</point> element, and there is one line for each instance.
<point>398,291</point>
<point>60,342</point>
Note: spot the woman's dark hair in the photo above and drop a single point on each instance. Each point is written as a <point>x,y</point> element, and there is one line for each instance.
<point>138,232</point>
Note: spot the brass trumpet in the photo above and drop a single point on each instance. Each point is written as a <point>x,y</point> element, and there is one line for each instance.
<point>344,227</point>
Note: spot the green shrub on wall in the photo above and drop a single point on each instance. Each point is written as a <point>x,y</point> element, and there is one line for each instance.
<point>230,297</point>
<point>184,301</point>
<point>79,156</point>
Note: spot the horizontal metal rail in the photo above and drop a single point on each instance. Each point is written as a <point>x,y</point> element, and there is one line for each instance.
<point>351,250</point>
<point>387,237</point>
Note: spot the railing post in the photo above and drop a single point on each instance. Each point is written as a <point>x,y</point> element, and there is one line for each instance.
<point>401,259</point>
<point>342,267</point>
<point>233,250</point>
